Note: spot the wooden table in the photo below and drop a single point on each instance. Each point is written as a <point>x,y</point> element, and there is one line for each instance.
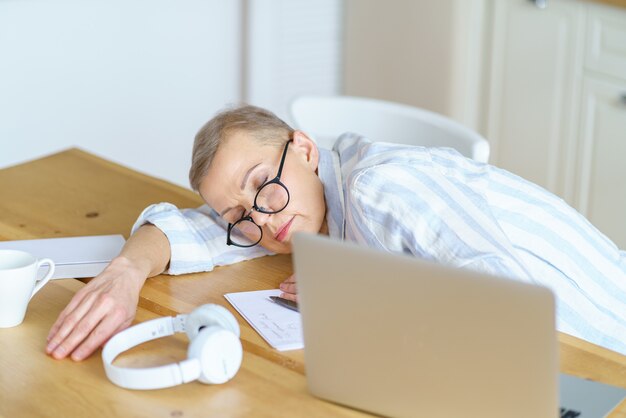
<point>74,193</point>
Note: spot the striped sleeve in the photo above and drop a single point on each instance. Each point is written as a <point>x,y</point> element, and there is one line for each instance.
<point>197,238</point>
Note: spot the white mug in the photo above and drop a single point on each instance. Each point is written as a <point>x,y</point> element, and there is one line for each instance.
<point>18,284</point>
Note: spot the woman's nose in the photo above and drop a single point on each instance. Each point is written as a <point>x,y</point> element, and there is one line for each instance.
<point>259,218</point>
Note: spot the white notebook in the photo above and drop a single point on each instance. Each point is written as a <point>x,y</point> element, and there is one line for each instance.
<point>279,326</point>
<point>75,257</point>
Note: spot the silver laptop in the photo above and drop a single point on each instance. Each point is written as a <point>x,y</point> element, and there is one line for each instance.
<point>400,336</point>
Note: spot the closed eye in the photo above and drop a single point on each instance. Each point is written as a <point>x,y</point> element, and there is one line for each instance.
<point>261,183</point>
<point>234,215</point>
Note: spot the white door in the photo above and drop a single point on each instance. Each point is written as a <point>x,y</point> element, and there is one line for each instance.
<point>533,89</point>
<point>602,164</point>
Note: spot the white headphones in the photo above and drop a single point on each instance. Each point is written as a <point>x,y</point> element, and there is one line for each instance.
<point>214,354</point>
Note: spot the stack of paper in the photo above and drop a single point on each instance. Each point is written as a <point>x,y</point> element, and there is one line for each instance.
<point>74,256</point>
<point>279,326</point>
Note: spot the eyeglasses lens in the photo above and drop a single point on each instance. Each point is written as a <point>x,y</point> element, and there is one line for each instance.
<point>245,233</point>
<point>272,198</point>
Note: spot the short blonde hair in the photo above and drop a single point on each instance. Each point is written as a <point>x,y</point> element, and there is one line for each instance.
<point>262,124</point>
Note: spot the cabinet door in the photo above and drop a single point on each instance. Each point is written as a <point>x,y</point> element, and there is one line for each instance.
<point>606,40</point>
<point>534,93</point>
<point>602,163</point>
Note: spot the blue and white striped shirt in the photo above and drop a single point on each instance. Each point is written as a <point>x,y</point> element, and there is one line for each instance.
<point>437,205</point>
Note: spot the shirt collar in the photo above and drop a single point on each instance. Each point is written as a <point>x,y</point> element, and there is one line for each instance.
<point>329,172</point>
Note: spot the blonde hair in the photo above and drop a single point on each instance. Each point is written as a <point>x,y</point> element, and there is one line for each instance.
<point>261,124</point>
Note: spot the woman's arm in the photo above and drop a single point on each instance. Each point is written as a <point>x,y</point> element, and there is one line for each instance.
<point>108,303</point>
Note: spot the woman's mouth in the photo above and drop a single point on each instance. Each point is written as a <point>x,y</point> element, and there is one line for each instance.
<point>283,231</point>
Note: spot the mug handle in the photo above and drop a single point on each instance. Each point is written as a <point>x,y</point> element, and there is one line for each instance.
<point>48,276</point>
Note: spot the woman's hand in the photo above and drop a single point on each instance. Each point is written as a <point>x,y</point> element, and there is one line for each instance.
<point>289,288</point>
<point>108,303</point>
<point>105,306</point>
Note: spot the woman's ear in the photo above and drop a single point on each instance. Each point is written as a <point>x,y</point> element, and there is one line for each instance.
<point>303,144</point>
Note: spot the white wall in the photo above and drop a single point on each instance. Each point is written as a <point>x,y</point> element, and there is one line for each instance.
<point>130,80</point>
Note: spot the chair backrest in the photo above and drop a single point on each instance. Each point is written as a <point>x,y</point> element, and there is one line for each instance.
<point>327,117</point>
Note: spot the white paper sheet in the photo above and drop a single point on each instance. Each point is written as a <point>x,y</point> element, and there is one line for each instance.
<point>279,326</point>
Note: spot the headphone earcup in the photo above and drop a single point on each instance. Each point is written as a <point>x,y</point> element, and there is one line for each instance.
<point>219,352</point>
<point>209,315</point>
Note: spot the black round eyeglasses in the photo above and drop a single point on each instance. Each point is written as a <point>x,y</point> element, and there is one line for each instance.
<point>272,197</point>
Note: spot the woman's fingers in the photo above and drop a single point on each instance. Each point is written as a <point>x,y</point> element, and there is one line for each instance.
<point>111,323</point>
<point>76,300</point>
<point>289,288</point>
<point>65,324</point>
<point>97,311</point>
<point>289,296</point>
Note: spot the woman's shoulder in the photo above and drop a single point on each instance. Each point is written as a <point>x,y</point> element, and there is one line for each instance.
<point>357,153</point>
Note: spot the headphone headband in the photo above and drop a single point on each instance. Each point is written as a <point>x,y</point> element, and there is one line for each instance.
<point>214,354</point>
<point>153,377</point>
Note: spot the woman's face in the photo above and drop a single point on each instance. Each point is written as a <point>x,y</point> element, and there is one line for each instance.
<point>242,164</point>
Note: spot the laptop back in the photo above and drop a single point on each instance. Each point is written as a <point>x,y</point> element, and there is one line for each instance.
<point>400,336</point>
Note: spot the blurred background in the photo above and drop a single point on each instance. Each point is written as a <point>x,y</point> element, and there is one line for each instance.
<point>132,81</point>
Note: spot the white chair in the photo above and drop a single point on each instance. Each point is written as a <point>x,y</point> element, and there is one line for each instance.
<point>327,117</point>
